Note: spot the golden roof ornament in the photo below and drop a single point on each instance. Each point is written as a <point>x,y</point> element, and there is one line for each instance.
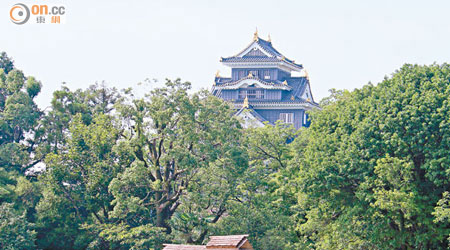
<point>269,39</point>
<point>306,74</point>
<point>292,98</point>
<point>308,99</point>
<point>255,35</point>
<point>285,82</point>
<point>250,74</point>
<point>245,104</point>
<point>217,73</point>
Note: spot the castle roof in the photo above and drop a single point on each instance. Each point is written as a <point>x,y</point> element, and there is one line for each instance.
<point>274,84</point>
<point>296,87</point>
<point>261,51</point>
<point>252,112</point>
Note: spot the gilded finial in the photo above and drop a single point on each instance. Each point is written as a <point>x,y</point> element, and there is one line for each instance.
<point>269,39</point>
<point>309,100</point>
<point>221,58</point>
<point>285,82</point>
<point>217,73</point>
<point>283,58</point>
<point>306,74</point>
<point>292,98</point>
<point>245,104</point>
<point>250,74</point>
<point>255,36</point>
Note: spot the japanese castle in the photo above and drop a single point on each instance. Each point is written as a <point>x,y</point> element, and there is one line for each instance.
<point>262,87</point>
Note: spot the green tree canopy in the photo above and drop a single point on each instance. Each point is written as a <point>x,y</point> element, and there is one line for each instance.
<point>264,202</point>
<point>374,164</point>
<point>117,179</point>
<point>19,137</point>
<point>18,121</point>
<point>6,63</point>
<point>121,172</point>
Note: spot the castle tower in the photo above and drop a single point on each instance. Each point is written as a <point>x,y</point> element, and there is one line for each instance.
<point>262,87</point>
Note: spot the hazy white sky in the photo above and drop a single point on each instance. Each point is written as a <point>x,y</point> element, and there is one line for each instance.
<point>342,44</point>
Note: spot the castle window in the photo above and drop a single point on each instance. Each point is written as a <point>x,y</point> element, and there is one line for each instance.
<point>266,74</point>
<point>251,93</point>
<point>305,118</point>
<point>254,73</point>
<point>242,94</point>
<point>287,117</point>
<point>242,74</point>
<point>255,94</point>
<point>260,94</point>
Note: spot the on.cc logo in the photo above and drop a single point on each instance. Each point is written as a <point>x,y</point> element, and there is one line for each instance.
<point>19,13</point>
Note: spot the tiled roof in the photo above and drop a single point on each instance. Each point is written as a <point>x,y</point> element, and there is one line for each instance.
<point>258,59</point>
<point>222,80</point>
<point>266,46</point>
<point>226,241</point>
<point>298,85</point>
<point>250,59</point>
<point>183,247</point>
<point>296,101</point>
<point>216,243</point>
<point>253,112</point>
<point>275,83</point>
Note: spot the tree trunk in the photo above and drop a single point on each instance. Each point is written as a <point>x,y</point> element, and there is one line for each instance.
<point>162,214</point>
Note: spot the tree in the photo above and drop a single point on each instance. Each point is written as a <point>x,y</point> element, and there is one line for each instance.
<point>19,136</point>
<point>116,180</point>
<point>18,121</point>
<point>375,164</point>
<point>15,230</point>
<point>66,104</point>
<point>76,184</point>
<point>175,138</point>
<point>210,195</point>
<point>6,63</point>
<point>263,206</point>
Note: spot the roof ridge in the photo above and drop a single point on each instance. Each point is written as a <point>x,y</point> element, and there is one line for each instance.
<point>226,240</point>
<point>234,235</point>
<point>183,247</point>
<point>268,44</point>
<point>255,78</point>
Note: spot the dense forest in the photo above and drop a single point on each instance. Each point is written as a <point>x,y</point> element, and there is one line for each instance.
<point>104,169</point>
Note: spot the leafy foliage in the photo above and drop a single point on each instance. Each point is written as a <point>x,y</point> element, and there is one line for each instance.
<point>124,176</point>
<point>6,63</point>
<point>263,207</point>
<point>76,183</point>
<point>375,164</point>
<point>16,231</point>
<point>19,120</point>
<point>19,135</point>
<point>121,172</point>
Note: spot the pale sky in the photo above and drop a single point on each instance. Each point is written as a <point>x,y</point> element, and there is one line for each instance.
<point>342,44</point>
